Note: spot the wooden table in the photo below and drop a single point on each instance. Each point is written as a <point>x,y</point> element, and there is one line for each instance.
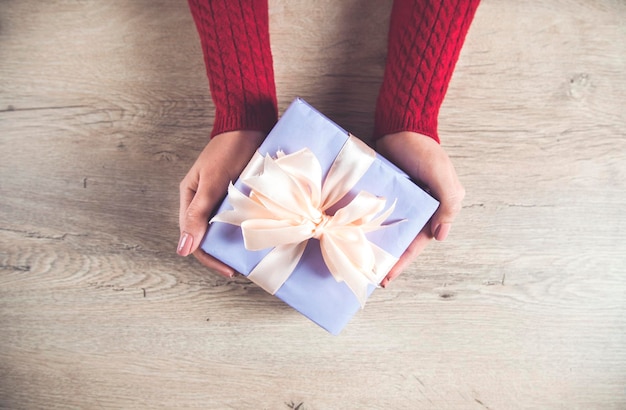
<point>105,105</point>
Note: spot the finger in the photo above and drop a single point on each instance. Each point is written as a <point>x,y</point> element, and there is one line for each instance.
<point>195,218</point>
<point>186,194</point>
<point>450,205</point>
<point>415,248</point>
<point>212,263</point>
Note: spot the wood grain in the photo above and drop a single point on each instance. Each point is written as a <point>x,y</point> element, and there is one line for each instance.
<point>103,108</point>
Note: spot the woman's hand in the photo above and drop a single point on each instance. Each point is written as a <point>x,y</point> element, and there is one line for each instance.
<point>428,164</point>
<point>206,183</point>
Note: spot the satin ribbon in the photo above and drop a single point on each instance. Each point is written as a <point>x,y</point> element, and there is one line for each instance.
<point>287,206</point>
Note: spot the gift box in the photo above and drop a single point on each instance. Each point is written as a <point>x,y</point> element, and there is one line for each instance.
<point>317,218</point>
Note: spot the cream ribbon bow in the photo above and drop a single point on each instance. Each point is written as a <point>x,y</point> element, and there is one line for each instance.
<point>287,206</point>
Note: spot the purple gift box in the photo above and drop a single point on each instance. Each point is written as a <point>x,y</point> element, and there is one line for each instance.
<point>311,289</point>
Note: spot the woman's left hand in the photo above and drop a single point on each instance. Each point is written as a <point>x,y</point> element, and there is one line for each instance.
<point>424,160</point>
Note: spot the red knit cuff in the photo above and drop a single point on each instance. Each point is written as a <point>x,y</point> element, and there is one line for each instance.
<point>260,116</point>
<point>385,125</point>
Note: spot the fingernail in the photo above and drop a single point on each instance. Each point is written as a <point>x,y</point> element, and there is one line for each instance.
<point>442,231</point>
<point>384,283</point>
<point>184,245</point>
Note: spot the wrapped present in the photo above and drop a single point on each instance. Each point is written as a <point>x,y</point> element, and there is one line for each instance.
<point>317,218</point>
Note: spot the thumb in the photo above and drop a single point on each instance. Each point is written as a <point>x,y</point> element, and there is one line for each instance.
<point>450,206</point>
<point>196,207</point>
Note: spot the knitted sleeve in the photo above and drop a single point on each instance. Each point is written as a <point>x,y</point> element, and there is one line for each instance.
<point>236,45</point>
<point>425,39</point>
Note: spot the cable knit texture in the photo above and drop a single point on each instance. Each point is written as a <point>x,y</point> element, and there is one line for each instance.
<point>425,39</point>
<point>236,44</point>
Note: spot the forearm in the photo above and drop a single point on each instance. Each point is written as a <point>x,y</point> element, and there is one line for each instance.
<point>235,42</point>
<point>425,40</point>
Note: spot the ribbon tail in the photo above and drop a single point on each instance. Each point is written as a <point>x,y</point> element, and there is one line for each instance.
<point>358,283</point>
<point>356,278</point>
<point>345,269</point>
<point>274,270</point>
<point>384,262</point>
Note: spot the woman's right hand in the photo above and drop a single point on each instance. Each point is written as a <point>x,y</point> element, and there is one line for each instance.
<point>206,183</point>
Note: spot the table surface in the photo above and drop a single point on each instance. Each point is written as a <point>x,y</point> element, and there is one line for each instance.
<point>105,105</point>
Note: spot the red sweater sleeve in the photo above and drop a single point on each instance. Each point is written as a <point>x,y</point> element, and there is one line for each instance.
<point>425,39</point>
<point>236,45</point>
